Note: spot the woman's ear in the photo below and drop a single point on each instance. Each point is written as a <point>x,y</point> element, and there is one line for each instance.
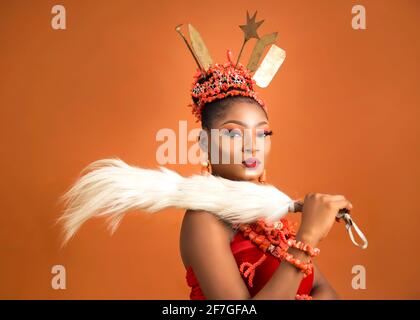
<point>203,140</point>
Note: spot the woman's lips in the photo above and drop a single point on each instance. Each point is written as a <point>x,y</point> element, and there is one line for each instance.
<point>251,163</point>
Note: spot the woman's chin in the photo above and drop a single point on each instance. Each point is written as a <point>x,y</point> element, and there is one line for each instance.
<point>252,173</point>
<point>241,173</point>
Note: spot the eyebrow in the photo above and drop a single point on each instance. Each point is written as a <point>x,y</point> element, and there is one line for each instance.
<point>242,123</point>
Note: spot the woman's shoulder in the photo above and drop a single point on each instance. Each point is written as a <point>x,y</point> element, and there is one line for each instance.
<point>203,220</point>
<point>202,228</point>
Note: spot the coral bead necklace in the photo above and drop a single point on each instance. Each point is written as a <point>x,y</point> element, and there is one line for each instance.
<point>275,238</point>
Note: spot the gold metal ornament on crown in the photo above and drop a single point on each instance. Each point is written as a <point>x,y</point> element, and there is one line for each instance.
<point>264,73</point>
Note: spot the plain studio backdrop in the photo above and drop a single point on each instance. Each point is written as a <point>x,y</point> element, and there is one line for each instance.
<point>344,108</point>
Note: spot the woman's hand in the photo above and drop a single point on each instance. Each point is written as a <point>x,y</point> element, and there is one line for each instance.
<point>318,217</point>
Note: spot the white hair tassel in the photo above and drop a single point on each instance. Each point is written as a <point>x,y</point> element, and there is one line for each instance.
<point>110,187</point>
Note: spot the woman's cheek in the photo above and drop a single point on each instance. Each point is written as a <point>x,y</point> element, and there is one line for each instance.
<point>232,149</point>
<point>267,147</point>
<point>225,154</point>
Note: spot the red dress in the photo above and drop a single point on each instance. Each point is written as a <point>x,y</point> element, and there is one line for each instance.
<point>244,250</point>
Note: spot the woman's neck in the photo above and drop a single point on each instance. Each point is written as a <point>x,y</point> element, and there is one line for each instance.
<point>255,180</point>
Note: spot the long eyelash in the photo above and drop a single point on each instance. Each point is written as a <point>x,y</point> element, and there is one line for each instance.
<point>268,133</point>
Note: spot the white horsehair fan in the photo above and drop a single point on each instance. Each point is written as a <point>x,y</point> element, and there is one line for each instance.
<point>111,187</point>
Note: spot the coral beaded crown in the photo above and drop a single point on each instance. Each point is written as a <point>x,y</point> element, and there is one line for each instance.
<point>214,81</point>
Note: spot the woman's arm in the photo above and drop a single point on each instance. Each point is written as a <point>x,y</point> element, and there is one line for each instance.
<point>321,289</point>
<point>205,246</point>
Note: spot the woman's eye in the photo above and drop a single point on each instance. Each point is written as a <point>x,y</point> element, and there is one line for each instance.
<point>265,133</point>
<point>235,133</point>
<point>238,133</point>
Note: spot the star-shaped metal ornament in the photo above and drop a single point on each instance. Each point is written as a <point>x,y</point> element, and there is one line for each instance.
<point>251,26</point>
<point>250,30</point>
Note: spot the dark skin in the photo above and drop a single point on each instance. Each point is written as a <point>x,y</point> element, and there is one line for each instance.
<point>205,240</point>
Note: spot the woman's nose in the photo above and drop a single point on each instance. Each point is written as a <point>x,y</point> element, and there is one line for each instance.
<point>251,145</point>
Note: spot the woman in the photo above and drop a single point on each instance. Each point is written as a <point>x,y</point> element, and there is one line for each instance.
<point>223,260</point>
<point>211,250</point>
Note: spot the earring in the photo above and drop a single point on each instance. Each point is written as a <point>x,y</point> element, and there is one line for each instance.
<point>262,177</point>
<point>205,167</point>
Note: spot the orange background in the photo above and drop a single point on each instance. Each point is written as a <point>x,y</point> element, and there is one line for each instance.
<point>344,108</point>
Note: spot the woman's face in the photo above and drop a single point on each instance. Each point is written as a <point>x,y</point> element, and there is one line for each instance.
<point>240,146</point>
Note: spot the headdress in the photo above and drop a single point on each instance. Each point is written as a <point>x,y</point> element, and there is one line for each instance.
<point>214,81</point>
